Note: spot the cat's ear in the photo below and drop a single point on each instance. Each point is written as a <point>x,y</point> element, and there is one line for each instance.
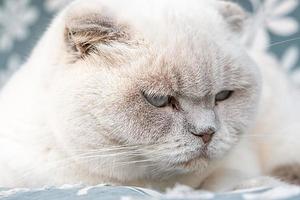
<point>93,33</point>
<point>233,14</point>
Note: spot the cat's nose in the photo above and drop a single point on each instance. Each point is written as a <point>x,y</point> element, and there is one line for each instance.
<point>206,135</point>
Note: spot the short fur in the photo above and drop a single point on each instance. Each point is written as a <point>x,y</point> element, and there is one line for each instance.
<point>75,111</point>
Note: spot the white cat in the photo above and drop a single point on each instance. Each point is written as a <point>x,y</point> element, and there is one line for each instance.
<point>146,93</point>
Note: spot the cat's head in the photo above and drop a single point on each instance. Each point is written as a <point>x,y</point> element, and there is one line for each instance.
<point>149,87</point>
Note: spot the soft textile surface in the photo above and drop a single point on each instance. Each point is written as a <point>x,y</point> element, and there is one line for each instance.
<point>77,192</point>
<point>19,33</point>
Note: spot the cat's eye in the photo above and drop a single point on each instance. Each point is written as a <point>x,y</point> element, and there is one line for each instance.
<point>157,100</point>
<point>223,95</point>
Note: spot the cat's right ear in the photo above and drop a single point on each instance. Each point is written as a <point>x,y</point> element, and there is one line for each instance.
<point>234,15</point>
<point>94,33</point>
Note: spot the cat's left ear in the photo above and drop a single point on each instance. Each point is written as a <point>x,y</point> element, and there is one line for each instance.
<point>89,32</point>
<point>233,14</point>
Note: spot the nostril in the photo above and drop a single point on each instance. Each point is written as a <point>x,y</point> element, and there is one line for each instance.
<point>206,138</point>
<point>206,135</point>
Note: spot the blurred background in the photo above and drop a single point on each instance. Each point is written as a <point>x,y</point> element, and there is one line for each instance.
<point>276,30</point>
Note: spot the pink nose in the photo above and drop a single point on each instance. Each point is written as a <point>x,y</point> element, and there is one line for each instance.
<point>206,138</point>
<point>206,135</point>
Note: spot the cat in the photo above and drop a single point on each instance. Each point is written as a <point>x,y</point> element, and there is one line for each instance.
<point>144,93</point>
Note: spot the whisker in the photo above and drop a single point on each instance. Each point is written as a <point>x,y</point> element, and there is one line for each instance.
<point>131,152</point>
<point>284,41</point>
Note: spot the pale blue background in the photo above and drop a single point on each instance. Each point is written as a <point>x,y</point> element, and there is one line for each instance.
<point>39,14</point>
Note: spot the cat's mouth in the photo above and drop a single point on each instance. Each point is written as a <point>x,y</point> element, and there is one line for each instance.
<point>194,162</point>
<point>189,159</point>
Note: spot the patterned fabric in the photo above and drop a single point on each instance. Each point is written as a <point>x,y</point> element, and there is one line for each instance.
<point>275,30</point>
<point>133,193</point>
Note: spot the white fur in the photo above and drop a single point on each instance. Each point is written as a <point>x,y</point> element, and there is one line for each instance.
<point>53,109</point>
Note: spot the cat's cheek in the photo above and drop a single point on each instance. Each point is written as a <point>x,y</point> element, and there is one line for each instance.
<point>221,144</point>
<point>237,113</point>
<point>143,122</point>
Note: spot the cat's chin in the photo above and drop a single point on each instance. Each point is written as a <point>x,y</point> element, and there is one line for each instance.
<point>199,159</point>
<point>195,164</point>
<point>192,160</point>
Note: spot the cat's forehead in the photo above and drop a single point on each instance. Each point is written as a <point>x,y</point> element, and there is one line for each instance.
<point>189,52</point>
<point>180,47</point>
<point>191,69</point>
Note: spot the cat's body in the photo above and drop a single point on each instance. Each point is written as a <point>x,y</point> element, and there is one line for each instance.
<point>75,112</point>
